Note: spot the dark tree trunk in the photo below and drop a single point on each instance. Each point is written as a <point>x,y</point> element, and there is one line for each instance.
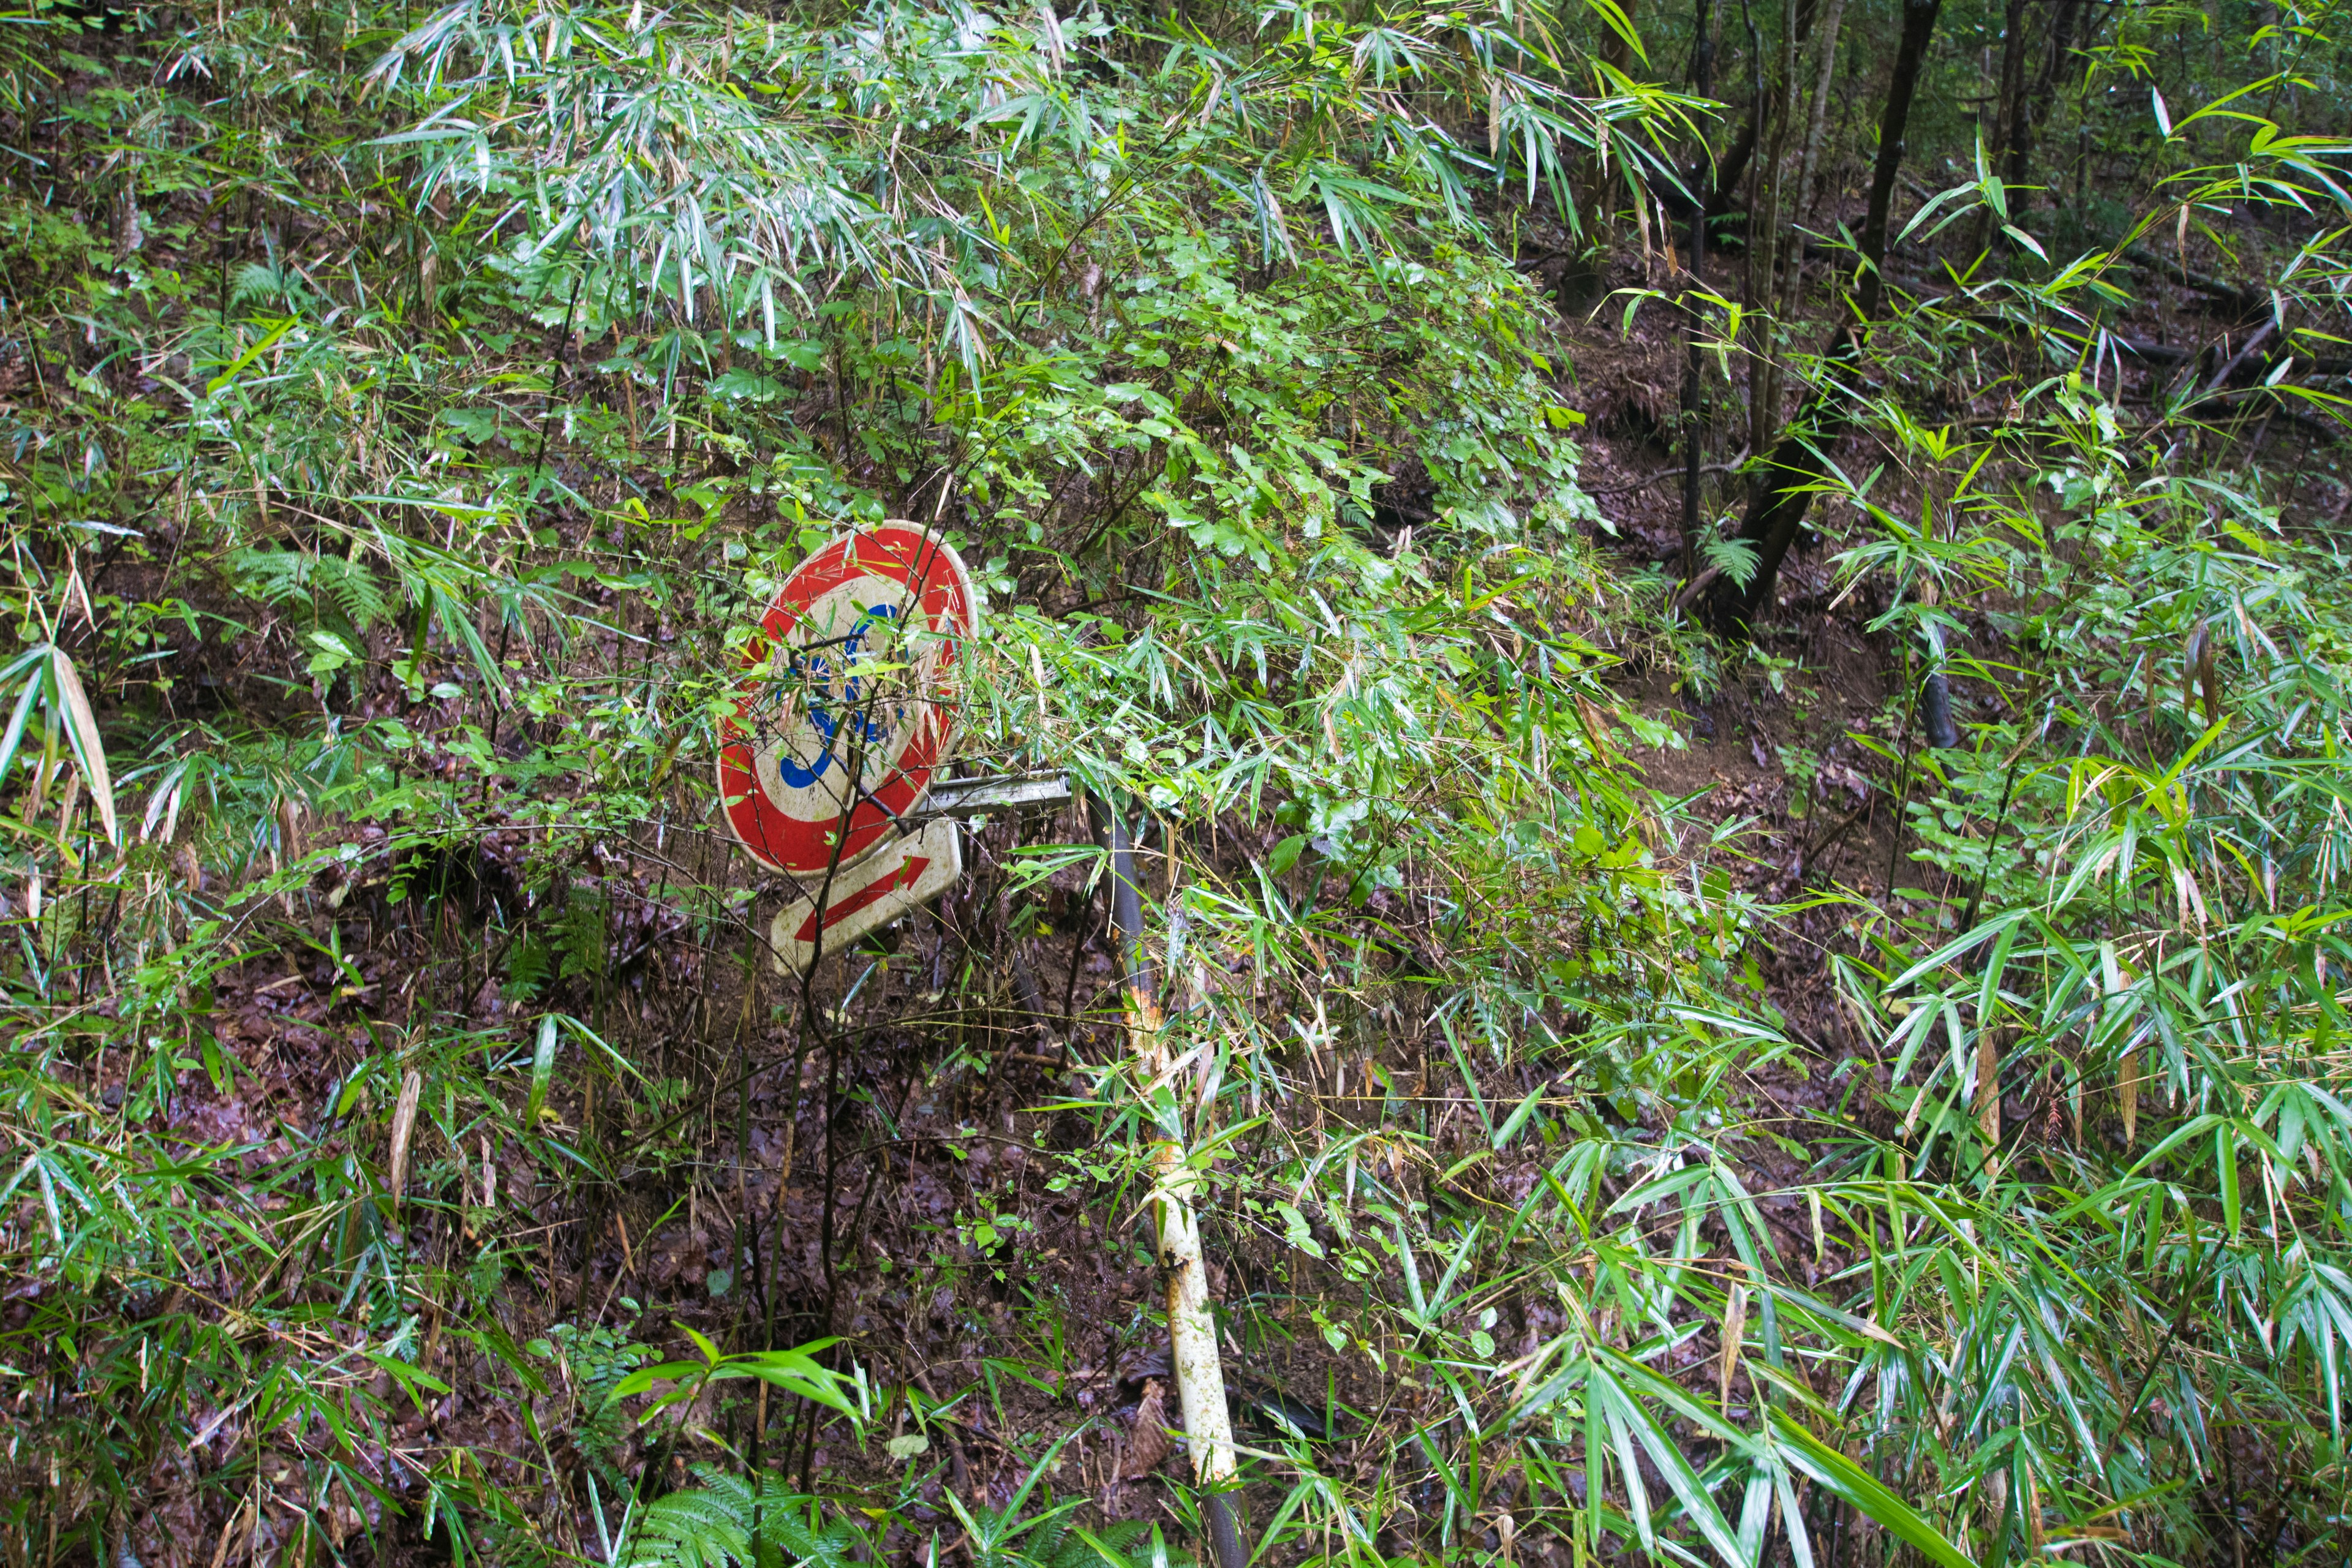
<point>1715,183</point>
<point>2032,107</point>
<point>1734,167</point>
<point>1709,181</point>
<point>1799,461</point>
<point>1765,240</point>
<point>1816,122</point>
<point>2011,108</point>
<point>1615,50</point>
<point>1918,32</point>
<point>1703,81</point>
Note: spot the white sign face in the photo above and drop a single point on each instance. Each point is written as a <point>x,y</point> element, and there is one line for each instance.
<point>899,876</point>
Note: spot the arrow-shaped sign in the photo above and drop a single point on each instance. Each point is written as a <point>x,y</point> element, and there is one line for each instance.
<point>874,892</point>
<point>908,874</point>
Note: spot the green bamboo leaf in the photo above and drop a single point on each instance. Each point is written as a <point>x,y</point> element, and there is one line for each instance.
<point>690,1383</point>
<point>2225,1166</point>
<point>26,698</point>
<point>267,342</point>
<point>797,1372</point>
<point>1632,1424</point>
<point>1622,25</point>
<point>1857,1486</point>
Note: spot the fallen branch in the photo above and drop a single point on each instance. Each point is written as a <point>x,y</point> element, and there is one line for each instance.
<point>2221,377</point>
<point>1693,589</point>
<point>2245,299</point>
<point>1732,466</point>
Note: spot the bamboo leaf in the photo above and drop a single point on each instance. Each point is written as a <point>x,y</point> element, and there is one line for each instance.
<point>1857,1486</point>
<point>403,1123</point>
<point>89,746</point>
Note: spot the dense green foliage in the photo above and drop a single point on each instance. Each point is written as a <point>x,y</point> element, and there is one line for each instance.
<point>403,419</point>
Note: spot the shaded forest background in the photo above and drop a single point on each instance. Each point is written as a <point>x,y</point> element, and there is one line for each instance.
<point>1719,629</point>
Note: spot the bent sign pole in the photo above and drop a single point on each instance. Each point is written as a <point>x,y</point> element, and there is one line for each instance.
<point>847,709</point>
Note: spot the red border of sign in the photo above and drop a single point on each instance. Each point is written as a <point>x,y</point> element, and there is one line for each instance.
<point>896,550</point>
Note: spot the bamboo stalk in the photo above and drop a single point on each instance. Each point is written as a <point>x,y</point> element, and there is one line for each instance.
<point>1198,1369</point>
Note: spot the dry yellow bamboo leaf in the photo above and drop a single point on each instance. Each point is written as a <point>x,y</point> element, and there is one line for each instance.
<point>2034,1533</point>
<point>404,1124</point>
<point>2127,1089</point>
<point>88,748</point>
<point>1735,1330</point>
<point>1147,1442</point>
<point>65,815</point>
<point>1988,1086</point>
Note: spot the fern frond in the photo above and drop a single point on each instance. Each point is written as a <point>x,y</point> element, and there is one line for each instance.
<point>1118,1539</point>
<point>580,937</point>
<point>1049,1540</point>
<point>255,280</point>
<point>352,588</point>
<point>273,576</point>
<point>702,1528</point>
<point>781,1527</point>
<point>711,1526</point>
<point>1121,1533</point>
<point>528,963</point>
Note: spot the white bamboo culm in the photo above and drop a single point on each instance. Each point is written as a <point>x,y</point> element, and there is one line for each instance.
<point>1192,1326</point>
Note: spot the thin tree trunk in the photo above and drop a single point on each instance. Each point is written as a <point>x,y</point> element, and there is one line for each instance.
<point>1819,120</point>
<point>2007,107</point>
<point>1765,245</point>
<point>1615,50</point>
<point>2033,108</point>
<point>1581,282</point>
<point>1712,181</point>
<point>2012,77</point>
<point>1724,179</point>
<point>1703,82</point>
<point>1918,32</point>
<point>1762,112</point>
<point>1801,456</point>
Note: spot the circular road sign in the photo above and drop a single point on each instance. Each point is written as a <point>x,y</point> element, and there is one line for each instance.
<point>848,701</point>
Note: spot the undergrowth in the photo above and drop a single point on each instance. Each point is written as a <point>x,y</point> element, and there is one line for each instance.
<point>407,417</point>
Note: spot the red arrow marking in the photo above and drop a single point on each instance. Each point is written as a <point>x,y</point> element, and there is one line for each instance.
<point>903,877</point>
